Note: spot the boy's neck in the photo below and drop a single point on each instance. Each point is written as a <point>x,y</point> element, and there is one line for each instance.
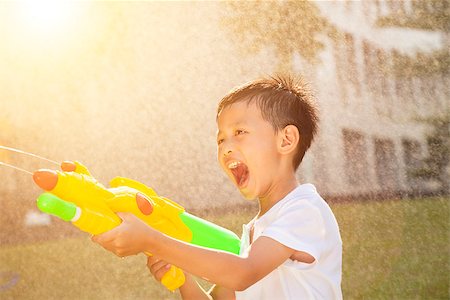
<point>277,192</point>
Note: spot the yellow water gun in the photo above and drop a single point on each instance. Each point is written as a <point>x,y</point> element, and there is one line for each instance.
<point>91,207</point>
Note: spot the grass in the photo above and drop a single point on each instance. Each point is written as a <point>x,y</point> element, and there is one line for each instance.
<point>392,250</point>
<point>396,249</point>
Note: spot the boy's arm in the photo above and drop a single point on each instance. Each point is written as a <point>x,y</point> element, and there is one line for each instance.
<point>225,269</point>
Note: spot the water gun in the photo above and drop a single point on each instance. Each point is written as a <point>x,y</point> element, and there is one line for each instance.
<point>91,207</point>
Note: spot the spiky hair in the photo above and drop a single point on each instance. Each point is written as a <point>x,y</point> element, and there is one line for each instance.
<point>282,100</point>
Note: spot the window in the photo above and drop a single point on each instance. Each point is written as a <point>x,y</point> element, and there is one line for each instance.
<point>420,7</point>
<point>439,6</point>
<point>399,82</point>
<point>367,8</point>
<point>340,69</point>
<point>412,159</point>
<point>351,69</point>
<point>378,7</point>
<point>396,7</point>
<point>355,151</point>
<point>369,67</point>
<point>383,87</point>
<point>348,5</point>
<point>346,68</point>
<point>386,164</point>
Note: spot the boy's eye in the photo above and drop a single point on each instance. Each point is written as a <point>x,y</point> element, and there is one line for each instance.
<point>219,141</point>
<point>239,132</point>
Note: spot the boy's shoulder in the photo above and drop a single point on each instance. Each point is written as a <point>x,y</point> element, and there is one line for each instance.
<point>303,204</point>
<point>304,194</point>
<point>302,199</point>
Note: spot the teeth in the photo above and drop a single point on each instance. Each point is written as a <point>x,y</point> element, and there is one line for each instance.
<point>233,165</point>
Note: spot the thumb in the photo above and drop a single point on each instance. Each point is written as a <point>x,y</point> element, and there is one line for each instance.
<point>124,215</point>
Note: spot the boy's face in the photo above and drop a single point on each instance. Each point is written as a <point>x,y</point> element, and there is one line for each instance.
<point>247,148</point>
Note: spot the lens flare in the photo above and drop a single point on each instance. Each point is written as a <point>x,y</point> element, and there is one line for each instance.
<point>45,16</point>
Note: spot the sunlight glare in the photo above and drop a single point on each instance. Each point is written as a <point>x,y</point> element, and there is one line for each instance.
<point>45,17</point>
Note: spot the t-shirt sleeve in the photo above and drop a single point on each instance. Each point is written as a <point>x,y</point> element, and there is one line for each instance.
<point>300,226</point>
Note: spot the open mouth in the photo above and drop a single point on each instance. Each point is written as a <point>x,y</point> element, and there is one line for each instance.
<point>240,173</point>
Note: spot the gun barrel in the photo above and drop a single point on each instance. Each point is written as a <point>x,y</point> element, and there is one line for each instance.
<point>210,235</point>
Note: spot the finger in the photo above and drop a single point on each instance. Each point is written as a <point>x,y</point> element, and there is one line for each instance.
<point>152,260</point>
<point>160,272</point>
<point>156,266</point>
<point>123,215</point>
<point>97,238</point>
<point>121,254</point>
<point>105,237</point>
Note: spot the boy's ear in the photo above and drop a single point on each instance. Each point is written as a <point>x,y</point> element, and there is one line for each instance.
<point>289,139</point>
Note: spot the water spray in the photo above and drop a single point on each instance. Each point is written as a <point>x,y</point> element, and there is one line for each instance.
<point>15,167</point>
<point>24,153</point>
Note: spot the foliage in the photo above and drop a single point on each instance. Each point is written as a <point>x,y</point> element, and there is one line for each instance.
<point>405,66</point>
<point>288,26</point>
<point>437,162</point>
<point>425,15</point>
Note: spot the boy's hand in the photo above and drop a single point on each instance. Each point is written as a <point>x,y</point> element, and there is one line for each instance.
<point>126,239</point>
<point>157,267</point>
<point>189,290</point>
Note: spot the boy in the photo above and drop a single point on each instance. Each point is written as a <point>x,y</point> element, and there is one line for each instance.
<point>292,249</point>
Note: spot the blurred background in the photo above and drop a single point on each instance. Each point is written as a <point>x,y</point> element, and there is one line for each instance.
<point>130,89</point>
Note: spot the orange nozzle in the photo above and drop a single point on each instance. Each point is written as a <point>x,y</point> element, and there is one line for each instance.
<point>46,179</point>
<point>144,204</point>
<point>68,166</point>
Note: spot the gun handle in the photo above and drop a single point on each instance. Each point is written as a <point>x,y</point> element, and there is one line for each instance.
<point>173,279</point>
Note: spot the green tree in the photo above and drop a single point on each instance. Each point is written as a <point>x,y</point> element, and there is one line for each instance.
<point>436,164</point>
<point>426,15</point>
<point>288,26</point>
<point>431,15</point>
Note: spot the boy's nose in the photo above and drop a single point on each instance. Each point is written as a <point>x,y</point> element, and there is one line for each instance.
<point>227,147</point>
<point>227,151</point>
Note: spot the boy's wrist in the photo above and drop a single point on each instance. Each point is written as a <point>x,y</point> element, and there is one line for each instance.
<point>151,240</point>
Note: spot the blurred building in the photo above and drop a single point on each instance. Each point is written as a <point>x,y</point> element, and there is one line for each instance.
<point>372,137</point>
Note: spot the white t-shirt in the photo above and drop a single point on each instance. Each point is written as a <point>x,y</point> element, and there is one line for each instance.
<point>302,221</point>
